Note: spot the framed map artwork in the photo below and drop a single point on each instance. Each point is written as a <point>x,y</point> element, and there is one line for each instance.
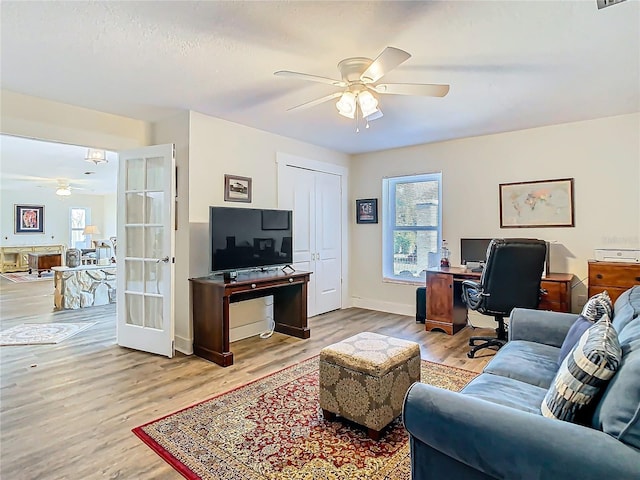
<point>542,203</point>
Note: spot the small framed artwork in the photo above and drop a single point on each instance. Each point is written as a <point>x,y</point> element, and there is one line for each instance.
<point>367,210</point>
<point>237,189</point>
<point>29,219</point>
<point>541,203</point>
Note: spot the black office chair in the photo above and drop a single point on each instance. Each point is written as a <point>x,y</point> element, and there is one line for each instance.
<point>511,278</point>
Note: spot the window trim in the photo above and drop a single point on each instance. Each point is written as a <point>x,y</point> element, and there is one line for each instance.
<point>87,221</point>
<point>388,222</point>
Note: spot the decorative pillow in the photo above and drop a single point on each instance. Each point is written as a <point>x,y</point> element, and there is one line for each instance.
<point>597,306</point>
<point>580,326</point>
<point>584,371</point>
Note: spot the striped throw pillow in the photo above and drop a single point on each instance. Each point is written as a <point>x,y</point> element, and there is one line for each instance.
<point>584,371</point>
<point>597,306</point>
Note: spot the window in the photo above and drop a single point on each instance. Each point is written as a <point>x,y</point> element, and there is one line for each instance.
<point>80,217</point>
<point>411,226</point>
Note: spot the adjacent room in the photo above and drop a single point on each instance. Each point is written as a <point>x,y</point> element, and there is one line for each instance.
<point>352,240</point>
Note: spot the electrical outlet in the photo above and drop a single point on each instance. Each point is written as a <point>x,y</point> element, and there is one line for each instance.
<point>607,3</point>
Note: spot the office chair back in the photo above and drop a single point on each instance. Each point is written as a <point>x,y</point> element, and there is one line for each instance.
<point>511,277</point>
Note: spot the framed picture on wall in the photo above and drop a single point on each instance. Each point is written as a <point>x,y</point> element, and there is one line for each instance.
<point>540,203</point>
<point>29,219</point>
<point>237,189</point>
<point>367,210</point>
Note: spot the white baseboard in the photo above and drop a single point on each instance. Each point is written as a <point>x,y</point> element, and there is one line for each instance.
<point>183,345</point>
<point>389,307</point>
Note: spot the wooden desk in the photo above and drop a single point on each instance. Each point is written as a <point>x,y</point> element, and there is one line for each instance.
<point>447,312</point>
<point>210,299</point>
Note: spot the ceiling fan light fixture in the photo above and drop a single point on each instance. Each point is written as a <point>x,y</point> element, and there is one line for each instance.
<point>96,156</point>
<point>63,191</point>
<point>347,105</point>
<point>368,103</point>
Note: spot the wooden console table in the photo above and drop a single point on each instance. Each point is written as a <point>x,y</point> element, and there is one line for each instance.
<point>447,312</point>
<point>210,304</point>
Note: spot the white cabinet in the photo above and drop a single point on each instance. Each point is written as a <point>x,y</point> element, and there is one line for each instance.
<point>315,199</point>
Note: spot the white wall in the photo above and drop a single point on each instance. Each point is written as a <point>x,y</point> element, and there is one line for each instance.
<point>56,215</point>
<point>602,155</point>
<point>217,147</point>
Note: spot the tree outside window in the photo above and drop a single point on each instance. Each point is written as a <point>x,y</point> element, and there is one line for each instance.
<point>411,226</point>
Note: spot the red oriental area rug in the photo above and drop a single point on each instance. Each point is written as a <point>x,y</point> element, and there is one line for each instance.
<point>273,429</point>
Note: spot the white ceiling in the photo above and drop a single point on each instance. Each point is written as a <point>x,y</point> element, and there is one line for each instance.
<point>511,64</point>
<point>28,163</point>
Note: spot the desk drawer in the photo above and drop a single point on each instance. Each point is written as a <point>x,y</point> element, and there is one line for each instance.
<point>622,275</point>
<point>556,298</point>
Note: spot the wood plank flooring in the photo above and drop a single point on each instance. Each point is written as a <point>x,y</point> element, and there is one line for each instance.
<point>67,410</point>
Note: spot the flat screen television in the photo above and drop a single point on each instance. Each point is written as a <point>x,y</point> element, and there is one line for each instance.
<point>249,238</point>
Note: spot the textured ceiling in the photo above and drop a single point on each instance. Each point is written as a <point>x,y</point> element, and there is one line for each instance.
<point>511,64</point>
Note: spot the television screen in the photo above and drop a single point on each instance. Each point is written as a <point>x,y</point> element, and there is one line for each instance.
<point>246,238</point>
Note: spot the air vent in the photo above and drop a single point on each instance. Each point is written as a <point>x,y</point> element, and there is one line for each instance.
<point>607,3</point>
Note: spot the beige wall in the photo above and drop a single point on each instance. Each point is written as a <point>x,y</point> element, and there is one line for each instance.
<point>33,117</point>
<point>175,130</point>
<point>602,155</point>
<point>217,147</point>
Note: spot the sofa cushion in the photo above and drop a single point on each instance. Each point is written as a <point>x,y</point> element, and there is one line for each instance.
<point>528,362</point>
<point>618,412</point>
<point>580,326</point>
<point>506,391</point>
<point>627,308</point>
<point>587,368</point>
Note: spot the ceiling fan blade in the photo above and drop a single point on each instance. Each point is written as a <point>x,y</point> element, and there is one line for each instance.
<point>424,89</point>
<point>374,116</point>
<point>389,59</point>
<point>311,78</point>
<point>313,103</point>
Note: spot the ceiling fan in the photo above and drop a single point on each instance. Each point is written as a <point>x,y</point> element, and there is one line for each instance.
<point>360,77</point>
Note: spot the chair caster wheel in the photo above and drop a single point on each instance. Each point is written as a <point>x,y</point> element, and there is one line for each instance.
<point>470,354</point>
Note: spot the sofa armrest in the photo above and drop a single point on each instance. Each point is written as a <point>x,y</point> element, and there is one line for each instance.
<point>540,326</point>
<point>504,442</point>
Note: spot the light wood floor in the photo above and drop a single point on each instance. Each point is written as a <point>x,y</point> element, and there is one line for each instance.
<point>67,410</point>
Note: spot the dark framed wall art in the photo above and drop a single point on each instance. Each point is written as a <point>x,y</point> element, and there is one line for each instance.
<point>540,203</point>
<point>29,219</point>
<point>367,210</point>
<point>237,189</point>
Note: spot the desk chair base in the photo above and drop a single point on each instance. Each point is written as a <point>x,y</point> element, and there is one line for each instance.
<point>489,342</point>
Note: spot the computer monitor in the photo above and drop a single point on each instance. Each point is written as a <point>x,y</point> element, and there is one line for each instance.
<point>474,250</point>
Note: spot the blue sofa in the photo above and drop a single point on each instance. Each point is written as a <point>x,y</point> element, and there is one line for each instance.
<point>494,428</point>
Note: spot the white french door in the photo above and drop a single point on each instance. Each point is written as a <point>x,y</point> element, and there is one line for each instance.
<point>315,198</point>
<point>145,255</point>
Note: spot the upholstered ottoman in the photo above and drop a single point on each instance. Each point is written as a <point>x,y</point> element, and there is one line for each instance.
<point>365,378</point>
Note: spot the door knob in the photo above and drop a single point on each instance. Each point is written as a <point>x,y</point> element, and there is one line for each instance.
<point>163,260</point>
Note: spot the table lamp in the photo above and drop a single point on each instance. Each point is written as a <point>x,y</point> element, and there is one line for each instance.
<point>88,231</point>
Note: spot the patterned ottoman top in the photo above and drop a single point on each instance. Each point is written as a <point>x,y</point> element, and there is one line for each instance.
<point>370,353</point>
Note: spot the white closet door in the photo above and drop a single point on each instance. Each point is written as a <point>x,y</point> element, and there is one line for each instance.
<point>315,199</point>
<point>328,242</point>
